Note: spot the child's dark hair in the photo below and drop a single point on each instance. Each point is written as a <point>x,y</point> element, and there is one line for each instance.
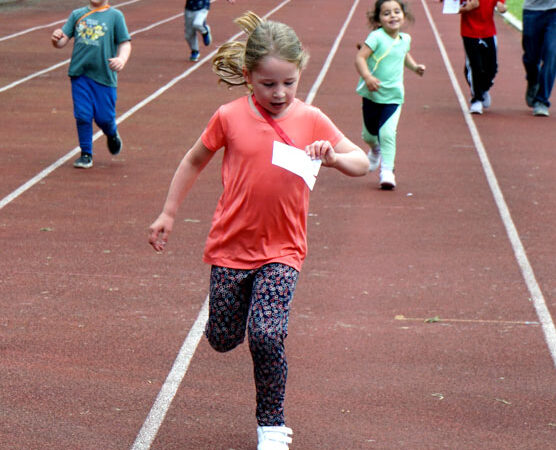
<point>374,15</point>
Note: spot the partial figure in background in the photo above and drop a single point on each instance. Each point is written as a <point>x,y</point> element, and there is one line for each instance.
<point>539,53</point>
<point>195,15</point>
<point>478,32</point>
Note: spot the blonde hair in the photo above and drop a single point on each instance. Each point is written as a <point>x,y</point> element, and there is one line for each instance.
<point>264,38</point>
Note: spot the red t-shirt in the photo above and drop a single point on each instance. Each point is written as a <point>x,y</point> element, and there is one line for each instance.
<point>261,216</point>
<point>479,22</point>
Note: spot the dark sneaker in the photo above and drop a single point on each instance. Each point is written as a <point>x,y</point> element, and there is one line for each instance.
<point>85,161</point>
<point>540,109</point>
<point>114,143</point>
<point>194,56</point>
<point>207,37</point>
<point>530,94</point>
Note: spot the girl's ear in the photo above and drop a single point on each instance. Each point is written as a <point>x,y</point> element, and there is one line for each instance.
<point>246,75</point>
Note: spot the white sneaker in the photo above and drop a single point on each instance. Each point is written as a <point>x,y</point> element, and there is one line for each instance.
<point>374,158</point>
<point>387,179</point>
<point>476,108</point>
<point>274,438</point>
<point>540,109</point>
<point>486,100</point>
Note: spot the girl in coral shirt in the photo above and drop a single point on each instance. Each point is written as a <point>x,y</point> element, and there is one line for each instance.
<point>257,242</point>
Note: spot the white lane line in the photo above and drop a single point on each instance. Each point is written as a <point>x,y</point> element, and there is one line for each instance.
<point>52,24</point>
<point>513,21</point>
<point>162,403</point>
<point>60,64</point>
<point>152,423</point>
<point>519,251</point>
<point>334,49</point>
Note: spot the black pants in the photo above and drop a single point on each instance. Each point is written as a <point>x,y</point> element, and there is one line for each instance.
<point>480,65</point>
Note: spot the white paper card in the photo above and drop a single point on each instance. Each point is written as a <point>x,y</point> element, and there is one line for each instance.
<point>296,161</point>
<point>451,7</point>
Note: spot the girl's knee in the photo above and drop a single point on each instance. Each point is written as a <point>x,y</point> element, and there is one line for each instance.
<point>222,343</point>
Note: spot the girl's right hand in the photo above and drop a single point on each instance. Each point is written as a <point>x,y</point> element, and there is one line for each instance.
<point>372,83</point>
<point>159,232</point>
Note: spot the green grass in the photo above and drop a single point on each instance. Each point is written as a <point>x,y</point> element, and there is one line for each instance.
<point>515,8</point>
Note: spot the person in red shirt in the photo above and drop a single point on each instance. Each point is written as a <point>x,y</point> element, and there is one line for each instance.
<point>479,41</point>
<point>258,238</point>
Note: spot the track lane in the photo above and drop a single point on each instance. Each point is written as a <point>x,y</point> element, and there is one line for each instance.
<point>372,256</point>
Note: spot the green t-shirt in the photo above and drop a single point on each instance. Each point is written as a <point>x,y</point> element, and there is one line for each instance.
<point>389,53</point>
<point>96,39</point>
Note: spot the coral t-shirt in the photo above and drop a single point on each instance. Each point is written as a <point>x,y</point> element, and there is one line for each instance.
<point>261,216</point>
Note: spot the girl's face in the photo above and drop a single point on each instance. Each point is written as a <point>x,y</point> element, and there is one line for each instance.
<point>391,17</point>
<point>274,83</point>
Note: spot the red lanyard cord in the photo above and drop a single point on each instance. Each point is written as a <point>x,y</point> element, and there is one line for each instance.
<point>272,122</point>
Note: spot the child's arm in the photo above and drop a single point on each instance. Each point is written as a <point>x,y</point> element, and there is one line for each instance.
<point>59,38</point>
<point>187,172</point>
<point>410,63</point>
<point>347,157</point>
<point>361,58</point>
<point>501,7</point>
<point>119,61</point>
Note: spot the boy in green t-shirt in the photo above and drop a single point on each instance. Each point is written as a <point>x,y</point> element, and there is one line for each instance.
<point>101,49</point>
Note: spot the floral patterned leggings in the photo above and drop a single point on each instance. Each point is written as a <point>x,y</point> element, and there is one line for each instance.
<point>257,300</point>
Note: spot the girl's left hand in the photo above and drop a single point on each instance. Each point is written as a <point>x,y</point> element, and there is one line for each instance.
<point>322,150</point>
<point>420,69</point>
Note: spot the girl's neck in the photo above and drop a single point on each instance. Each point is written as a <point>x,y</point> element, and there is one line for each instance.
<point>392,33</point>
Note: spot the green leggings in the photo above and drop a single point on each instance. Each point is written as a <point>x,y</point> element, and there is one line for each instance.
<point>380,124</point>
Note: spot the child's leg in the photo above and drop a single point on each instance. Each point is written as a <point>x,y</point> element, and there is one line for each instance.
<point>229,298</point>
<point>105,108</point>
<point>387,132</point>
<point>490,62</point>
<point>371,116</point>
<point>200,21</point>
<point>190,32</point>
<point>83,112</point>
<point>273,290</point>
<point>477,54</point>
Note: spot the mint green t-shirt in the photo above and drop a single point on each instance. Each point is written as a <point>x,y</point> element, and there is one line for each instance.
<point>96,39</point>
<point>387,64</point>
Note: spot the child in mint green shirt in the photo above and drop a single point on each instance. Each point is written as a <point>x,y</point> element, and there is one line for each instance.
<point>380,62</point>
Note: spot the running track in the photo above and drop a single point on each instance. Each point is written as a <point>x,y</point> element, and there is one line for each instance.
<point>99,334</point>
